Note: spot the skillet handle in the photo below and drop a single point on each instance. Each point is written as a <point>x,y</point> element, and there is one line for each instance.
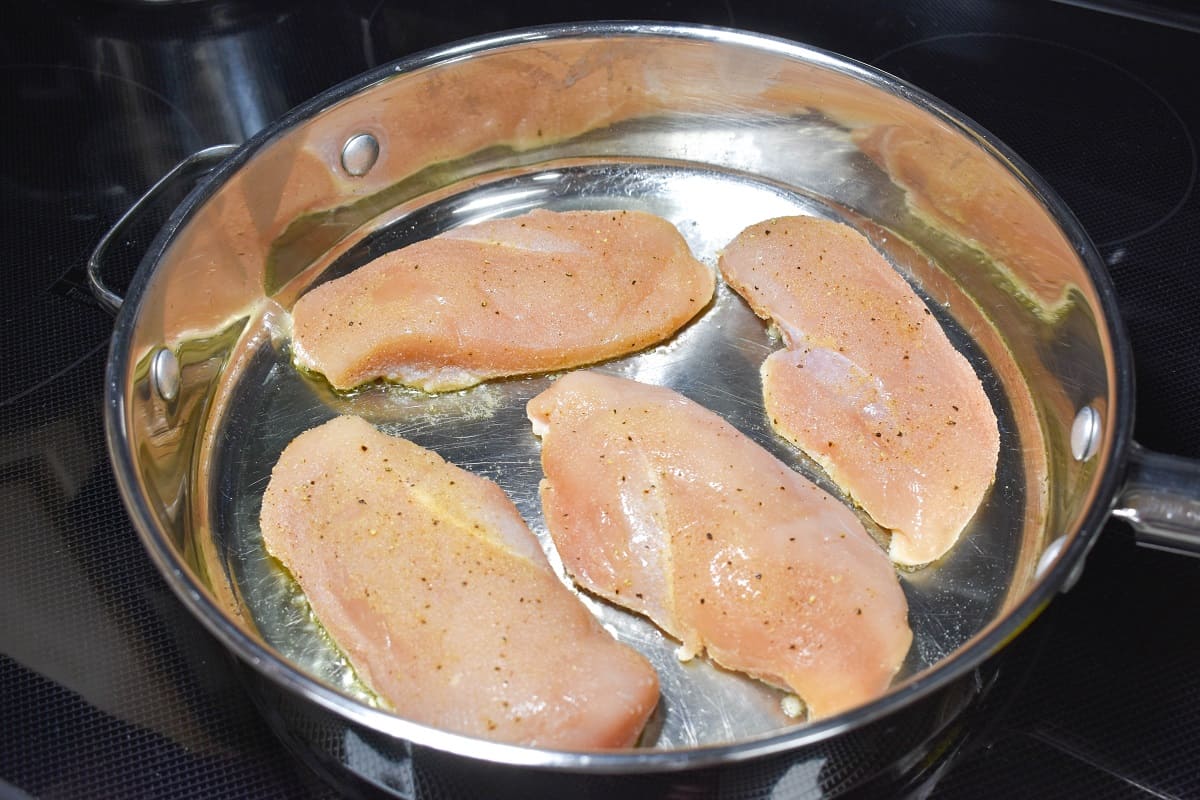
<point>191,168</point>
<point>1161,500</point>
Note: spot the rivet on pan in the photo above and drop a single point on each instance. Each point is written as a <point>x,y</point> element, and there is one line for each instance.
<point>164,374</point>
<point>1085,433</point>
<point>1049,556</point>
<point>359,154</point>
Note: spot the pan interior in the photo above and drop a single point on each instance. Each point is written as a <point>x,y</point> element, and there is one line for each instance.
<point>714,360</point>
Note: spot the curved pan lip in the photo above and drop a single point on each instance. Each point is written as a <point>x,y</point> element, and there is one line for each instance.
<point>1114,452</point>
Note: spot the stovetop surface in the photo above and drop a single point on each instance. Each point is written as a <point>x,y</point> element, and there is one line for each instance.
<point>108,688</point>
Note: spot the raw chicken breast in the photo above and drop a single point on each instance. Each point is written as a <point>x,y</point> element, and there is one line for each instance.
<point>659,505</point>
<point>542,291</point>
<point>870,386</point>
<point>440,596</point>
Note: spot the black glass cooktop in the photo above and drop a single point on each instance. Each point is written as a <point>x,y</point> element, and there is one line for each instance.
<point>108,688</point>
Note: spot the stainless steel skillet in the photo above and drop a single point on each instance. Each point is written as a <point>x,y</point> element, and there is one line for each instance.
<point>713,129</point>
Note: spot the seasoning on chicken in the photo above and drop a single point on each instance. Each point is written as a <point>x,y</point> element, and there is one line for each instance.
<point>869,385</point>
<point>539,292</point>
<point>659,505</point>
<point>439,595</point>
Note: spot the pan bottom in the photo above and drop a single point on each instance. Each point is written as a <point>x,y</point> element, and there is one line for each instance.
<point>714,360</point>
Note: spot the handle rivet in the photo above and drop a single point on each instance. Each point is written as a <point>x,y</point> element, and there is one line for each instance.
<point>164,374</point>
<point>1049,556</point>
<point>359,154</point>
<point>1085,433</point>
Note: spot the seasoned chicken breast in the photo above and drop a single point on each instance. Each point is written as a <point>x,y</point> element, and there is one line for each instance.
<point>539,292</point>
<point>440,596</point>
<point>659,505</point>
<point>869,385</point>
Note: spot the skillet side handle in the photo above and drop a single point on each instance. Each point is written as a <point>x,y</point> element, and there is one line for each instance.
<point>1161,500</point>
<point>191,168</point>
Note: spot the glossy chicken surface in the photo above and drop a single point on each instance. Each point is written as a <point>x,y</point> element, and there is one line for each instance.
<point>441,597</point>
<point>869,385</point>
<point>658,505</point>
<point>540,292</point>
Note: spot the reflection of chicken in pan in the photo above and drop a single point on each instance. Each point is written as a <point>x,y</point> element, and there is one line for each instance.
<point>869,385</point>
<point>659,505</point>
<point>962,189</point>
<point>539,292</point>
<point>442,599</point>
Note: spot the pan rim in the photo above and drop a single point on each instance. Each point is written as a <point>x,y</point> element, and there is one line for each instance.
<point>1111,457</point>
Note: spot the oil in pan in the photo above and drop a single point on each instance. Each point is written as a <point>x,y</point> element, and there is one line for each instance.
<point>714,360</point>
